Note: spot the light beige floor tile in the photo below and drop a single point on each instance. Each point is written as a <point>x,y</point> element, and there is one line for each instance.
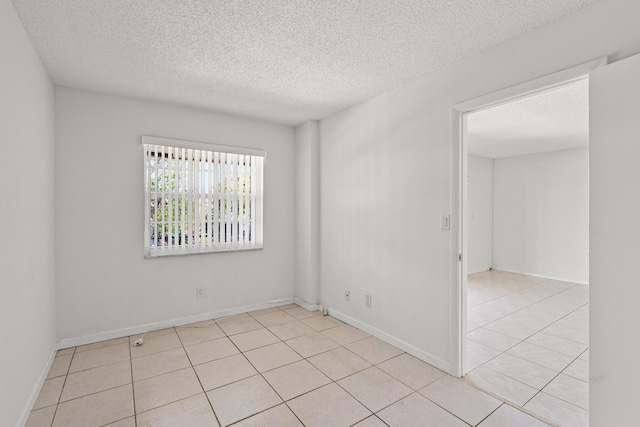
<point>541,355</point>
<point>374,350</point>
<point>339,363</point>
<point>493,339</point>
<point>295,379</point>
<point>150,334</point>
<point>462,400</point>
<point>372,421</point>
<point>166,388</point>
<point>99,357</point>
<point>127,422</point>
<point>417,411</point>
<point>50,393</point>
<point>411,371</point>
<point>480,353</point>
<point>558,344</point>
<point>501,385</point>
<point>190,336</point>
<point>328,406</point>
<point>242,399</point>
<point>522,370</point>
<point>60,366</point>
<point>275,318</point>
<point>255,313</point>
<point>569,389</point>
<point>65,351</point>
<point>288,306</point>
<point>254,339</point>
<point>41,417</point>
<point>224,371</point>
<point>579,335</point>
<point>301,313</point>
<point>156,345</point>
<point>287,331</point>
<point>159,363</point>
<point>96,409</point>
<point>193,411</point>
<point>238,326</point>
<point>508,416</point>
<point>102,344</point>
<point>312,344</point>
<point>558,411</point>
<point>511,329</point>
<point>345,334</point>
<point>374,388</point>
<point>320,323</point>
<point>228,318</point>
<point>584,355</point>
<point>280,416</point>
<point>210,350</point>
<point>578,369</point>
<point>97,379</point>
<point>272,356</point>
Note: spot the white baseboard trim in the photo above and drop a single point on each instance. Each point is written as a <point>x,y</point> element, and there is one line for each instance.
<point>402,345</point>
<point>560,279</point>
<point>304,304</point>
<point>169,323</point>
<point>37,387</point>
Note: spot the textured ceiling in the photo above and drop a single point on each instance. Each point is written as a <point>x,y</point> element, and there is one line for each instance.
<point>550,121</point>
<point>285,61</point>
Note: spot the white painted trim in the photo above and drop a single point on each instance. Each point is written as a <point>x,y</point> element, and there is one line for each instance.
<point>458,187</point>
<point>306,305</point>
<point>37,387</point>
<point>402,345</point>
<point>133,330</point>
<point>560,279</point>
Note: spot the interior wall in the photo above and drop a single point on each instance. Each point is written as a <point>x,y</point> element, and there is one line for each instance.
<point>480,214</point>
<point>541,215</point>
<point>104,282</point>
<point>27,286</point>
<point>386,178</point>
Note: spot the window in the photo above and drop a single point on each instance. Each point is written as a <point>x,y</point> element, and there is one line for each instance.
<point>201,197</point>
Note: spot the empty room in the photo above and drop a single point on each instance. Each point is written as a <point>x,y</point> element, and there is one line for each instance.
<point>253,213</point>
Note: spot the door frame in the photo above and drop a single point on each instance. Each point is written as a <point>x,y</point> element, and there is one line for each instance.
<point>459,187</point>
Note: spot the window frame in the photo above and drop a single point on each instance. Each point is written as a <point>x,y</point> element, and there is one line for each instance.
<point>228,197</point>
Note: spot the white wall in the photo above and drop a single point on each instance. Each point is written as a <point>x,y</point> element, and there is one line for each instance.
<point>307,265</point>
<point>541,215</point>
<point>104,283</point>
<point>480,214</point>
<point>27,287</point>
<point>615,251</point>
<point>386,177</point>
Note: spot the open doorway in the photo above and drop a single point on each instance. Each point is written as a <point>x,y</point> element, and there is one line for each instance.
<point>525,218</point>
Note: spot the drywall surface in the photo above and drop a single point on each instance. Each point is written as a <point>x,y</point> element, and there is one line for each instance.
<point>479,214</point>
<point>615,233</point>
<point>386,177</point>
<point>27,286</point>
<point>307,279</point>
<point>105,284</point>
<point>541,215</point>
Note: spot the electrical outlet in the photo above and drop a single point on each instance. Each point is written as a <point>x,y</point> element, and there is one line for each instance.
<point>367,301</point>
<point>200,292</point>
<point>347,294</point>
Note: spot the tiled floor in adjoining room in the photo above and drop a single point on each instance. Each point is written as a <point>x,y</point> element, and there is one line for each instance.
<point>283,366</point>
<point>528,342</point>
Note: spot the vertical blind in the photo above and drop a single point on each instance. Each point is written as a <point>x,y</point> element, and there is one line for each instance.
<point>201,198</point>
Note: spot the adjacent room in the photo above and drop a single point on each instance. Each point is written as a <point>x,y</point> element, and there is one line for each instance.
<point>248,213</point>
<point>528,248</point>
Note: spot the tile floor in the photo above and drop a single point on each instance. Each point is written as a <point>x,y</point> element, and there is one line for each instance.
<point>528,342</point>
<point>283,366</point>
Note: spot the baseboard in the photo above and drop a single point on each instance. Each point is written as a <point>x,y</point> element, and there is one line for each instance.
<point>560,279</point>
<point>402,345</point>
<point>304,304</point>
<point>133,330</point>
<point>37,387</point>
